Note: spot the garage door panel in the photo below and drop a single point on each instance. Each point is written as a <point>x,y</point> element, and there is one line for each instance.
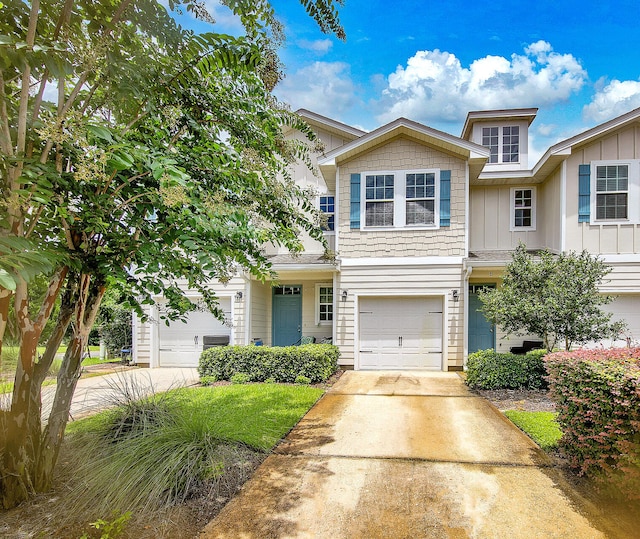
<point>181,343</point>
<point>400,333</point>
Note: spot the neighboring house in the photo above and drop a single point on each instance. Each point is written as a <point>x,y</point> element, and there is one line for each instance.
<point>419,221</point>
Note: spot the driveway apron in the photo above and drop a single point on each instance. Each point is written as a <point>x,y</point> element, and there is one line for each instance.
<point>406,455</point>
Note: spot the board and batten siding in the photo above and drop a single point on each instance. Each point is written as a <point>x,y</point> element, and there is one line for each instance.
<point>403,154</point>
<point>397,280</point>
<point>601,238</point>
<point>260,313</point>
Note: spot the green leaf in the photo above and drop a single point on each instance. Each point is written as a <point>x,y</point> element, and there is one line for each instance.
<point>100,132</point>
<point>6,281</point>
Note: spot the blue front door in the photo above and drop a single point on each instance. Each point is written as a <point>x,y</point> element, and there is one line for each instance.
<point>482,333</point>
<point>287,315</point>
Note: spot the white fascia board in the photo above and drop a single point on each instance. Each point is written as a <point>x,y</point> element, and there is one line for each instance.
<point>305,267</point>
<point>403,261</point>
<point>330,123</point>
<point>507,174</point>
<point>477,150</point>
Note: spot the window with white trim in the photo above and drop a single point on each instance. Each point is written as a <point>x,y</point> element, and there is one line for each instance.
<point>421,198</point>
<point>503,143</point>
<point>328,207</point>
<point>379,194</point>
<point>612,192</point>
<point>523,208</point>
<point>324,304</point>
<point>399,199</point>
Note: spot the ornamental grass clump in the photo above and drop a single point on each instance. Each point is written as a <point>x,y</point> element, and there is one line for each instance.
<point>597,394</point>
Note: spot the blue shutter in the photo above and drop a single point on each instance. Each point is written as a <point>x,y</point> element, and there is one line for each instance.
<point>584,193</point>
<point>445,198</point>
<point>355,201</point>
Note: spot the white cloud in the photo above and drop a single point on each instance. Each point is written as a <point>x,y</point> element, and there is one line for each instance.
<point>323,87</point>
<point>320,46</point>
<point>435,87</point>
<point>612,99</point>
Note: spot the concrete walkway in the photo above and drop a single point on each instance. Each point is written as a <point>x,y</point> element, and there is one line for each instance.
<point>406,455</point>
<point>99,392</point>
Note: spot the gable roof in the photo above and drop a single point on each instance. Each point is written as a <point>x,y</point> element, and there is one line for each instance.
<point>332,126</point>
<point>496,115</point>
<point>476,155</point>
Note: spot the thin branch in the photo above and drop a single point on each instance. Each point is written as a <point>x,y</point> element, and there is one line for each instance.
<point>5,132</point>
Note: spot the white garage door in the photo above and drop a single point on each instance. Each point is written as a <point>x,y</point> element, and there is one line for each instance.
<point>400,333</point>
<point>181,342</point>
<point>626,308</point>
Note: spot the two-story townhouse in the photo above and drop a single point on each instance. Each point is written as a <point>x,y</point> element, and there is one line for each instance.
<point>419,220</point>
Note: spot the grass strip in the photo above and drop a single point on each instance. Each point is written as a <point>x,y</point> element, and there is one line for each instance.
<point>541,427</point>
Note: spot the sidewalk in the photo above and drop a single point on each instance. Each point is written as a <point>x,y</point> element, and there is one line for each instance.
<point>99,392</point>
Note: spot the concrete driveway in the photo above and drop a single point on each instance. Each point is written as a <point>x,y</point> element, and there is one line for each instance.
<point>406,455</point>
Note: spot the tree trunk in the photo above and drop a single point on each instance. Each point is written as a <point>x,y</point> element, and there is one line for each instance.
<point>5,302</point>
<point>16,471</point>
<point>53,434</point>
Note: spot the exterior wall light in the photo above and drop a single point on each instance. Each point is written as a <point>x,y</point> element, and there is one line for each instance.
<point>455,296</point>
<point>238,296</point>
<point>344,295</point>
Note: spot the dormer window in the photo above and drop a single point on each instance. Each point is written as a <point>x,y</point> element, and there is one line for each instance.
<point>503,143</point>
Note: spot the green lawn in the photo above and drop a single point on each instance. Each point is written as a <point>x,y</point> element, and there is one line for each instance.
<point>539,426</point>
<point>10,359</point>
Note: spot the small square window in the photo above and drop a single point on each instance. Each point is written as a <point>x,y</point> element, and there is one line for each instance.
<point>324,300</point>
<point>612,190</point>
<point>327,206</point>
<point>523,209</point>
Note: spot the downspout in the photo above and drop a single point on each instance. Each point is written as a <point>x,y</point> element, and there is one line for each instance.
<point>563,206</point>
<point>467,274</point>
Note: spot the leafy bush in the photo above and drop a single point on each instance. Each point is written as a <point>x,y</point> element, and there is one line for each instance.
<point>239,378</point>
<point>208,380</point>
<point>597,393</point>
<point>303,380</point>
<point>488,369</point>
<point>317,362</point>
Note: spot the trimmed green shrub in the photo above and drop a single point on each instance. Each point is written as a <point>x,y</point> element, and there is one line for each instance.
<point>208,380</point>
<point>302,380</point>
<point>488,369</point>
<point>239,378</point>
<point>597,394</point>
<point>317,362</point>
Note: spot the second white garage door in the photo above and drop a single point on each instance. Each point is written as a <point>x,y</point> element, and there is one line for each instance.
<point>181,343</point>
<point>627,308</point>
<point>400,333</point>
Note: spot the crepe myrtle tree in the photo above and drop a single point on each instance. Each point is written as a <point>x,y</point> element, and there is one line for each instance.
<point>137,153</point>
<point>553,296</point>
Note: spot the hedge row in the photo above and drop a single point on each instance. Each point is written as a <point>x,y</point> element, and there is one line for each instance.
<point>597,394</point>
<point>488,369</point>
<point>317,362</point>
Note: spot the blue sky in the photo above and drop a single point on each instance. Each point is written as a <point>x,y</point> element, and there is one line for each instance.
<point>578,62</point>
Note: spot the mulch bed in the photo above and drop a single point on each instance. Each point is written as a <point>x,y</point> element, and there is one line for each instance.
<point>529,400</point>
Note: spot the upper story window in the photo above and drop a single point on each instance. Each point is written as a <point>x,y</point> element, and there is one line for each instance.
<point>490,140</point>
<point>609,192</point>
<point>328,207</point>
<point>379,197</point>
<point>612,192</point>
<point>523,209</point>
<point>503,143</point>
<point>421,198</point>
<point>398,199</point>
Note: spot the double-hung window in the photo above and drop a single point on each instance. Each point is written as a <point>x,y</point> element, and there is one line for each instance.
<point>401,199</point>
<point>324,304</point>
<point>328,207</point>
<point>612,192</point>
<point>523,208</point>
<point>379,199</point>
<point>503,143</point>
<point>420,198</point>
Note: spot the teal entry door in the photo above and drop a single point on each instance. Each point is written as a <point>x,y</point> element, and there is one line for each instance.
<point>482,333</point>
<point>287,315</point>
